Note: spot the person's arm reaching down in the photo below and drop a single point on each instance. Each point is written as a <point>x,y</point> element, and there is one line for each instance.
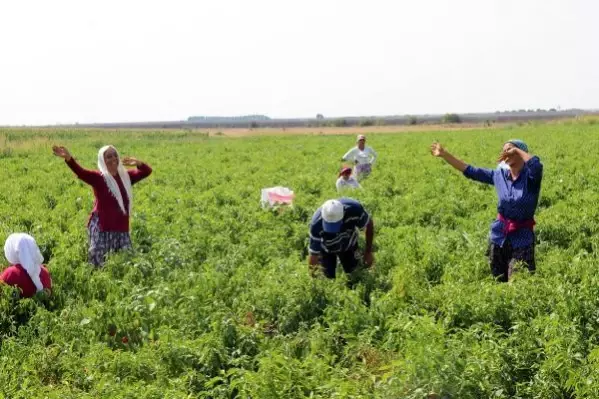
<point>368,256</point>
<point>315,248</point>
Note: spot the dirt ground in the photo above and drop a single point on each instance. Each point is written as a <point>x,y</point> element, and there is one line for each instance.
<point>245,132</point>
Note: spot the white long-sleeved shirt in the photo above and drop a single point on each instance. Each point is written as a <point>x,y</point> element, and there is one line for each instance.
<point>349,183</point>
<point>366,156</point>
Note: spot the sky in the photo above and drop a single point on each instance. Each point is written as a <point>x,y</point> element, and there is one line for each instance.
<point>69,61</point>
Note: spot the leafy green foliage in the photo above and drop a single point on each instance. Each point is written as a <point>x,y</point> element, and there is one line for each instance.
<point>451,118</point>
<point>217,302</point>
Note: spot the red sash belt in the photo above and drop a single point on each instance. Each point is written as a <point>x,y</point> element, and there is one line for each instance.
<point>509,225</point>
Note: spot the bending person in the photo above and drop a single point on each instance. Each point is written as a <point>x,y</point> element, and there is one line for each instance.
<point>517,181</point>
<point>362,156</point>
<point>108,225</point>
<point>26,271</point>
<point>334,234</point>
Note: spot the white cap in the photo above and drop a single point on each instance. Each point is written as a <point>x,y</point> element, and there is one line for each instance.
<point>332,216</point>
<point>361,137</point>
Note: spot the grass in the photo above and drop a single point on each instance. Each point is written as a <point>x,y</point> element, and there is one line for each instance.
<point>217,302</point>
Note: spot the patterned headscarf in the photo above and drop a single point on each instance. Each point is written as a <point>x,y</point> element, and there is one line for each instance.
<point>111,182</point>
<point>21,248</point>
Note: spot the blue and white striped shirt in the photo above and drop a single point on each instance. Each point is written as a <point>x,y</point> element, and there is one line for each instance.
<point>354,218</point>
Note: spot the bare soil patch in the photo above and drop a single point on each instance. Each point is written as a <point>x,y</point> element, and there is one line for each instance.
<point>246,132</point>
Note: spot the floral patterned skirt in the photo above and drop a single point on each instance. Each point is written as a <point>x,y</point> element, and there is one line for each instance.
<point>362,170</point>
<point>101,243</point>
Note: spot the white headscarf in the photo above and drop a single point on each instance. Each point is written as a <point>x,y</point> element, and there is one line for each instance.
<point>111,182</point>
<point>21,248</point>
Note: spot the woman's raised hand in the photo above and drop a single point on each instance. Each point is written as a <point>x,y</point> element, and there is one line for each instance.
<point>437,150</point>
<point>62,152</point>
<point>131,161</point>
<point>508,154</point>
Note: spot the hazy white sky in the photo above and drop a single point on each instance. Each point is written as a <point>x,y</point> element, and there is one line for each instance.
<point>65,61</point>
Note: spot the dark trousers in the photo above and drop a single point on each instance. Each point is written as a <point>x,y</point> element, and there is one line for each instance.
<point>348,260</point>
<point>503,259</point>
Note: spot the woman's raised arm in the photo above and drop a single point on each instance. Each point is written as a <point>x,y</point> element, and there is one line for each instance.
<point>479,174</point>
<point>438,151</point>
<point>88,176</point>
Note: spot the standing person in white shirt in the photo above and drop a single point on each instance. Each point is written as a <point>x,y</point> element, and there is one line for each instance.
<point>362,156</point>
<point>346,180</point>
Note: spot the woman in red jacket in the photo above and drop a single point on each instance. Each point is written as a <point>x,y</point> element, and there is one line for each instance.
<point>108,225</point>
<point>26,270</point>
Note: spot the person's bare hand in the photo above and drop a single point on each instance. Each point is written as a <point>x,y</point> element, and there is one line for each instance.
<point>314,265</point>
<point>131,161</point>
<point>508,154</point>
<point>368,259</point>
<point>437,149</point>
<point>62,152</point>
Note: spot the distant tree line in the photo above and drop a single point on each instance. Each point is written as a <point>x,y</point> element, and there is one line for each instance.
<point>262,121</point>
<point>538,110</point>
<point>228,119</point>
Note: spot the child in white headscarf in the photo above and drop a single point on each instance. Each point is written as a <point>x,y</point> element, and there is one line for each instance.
<point>346,180</point>
<point>27,271</point>
<point>108,226</point>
